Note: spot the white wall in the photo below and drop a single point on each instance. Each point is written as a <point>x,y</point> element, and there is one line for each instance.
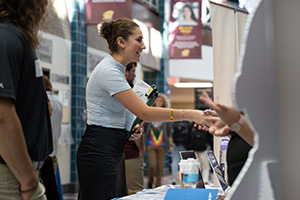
<point>199,69</point>
<point>287,47</point>
<point>61,65</point>
<point>61,59</point>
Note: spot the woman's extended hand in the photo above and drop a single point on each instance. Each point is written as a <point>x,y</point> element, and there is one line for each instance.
<point>200,119</point>
<point>211,113</point>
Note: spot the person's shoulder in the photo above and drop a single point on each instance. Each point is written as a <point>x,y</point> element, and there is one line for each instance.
<point>109,67</point>
<point>105,65</point>
<point>11,36</point>
<point>9,30</point>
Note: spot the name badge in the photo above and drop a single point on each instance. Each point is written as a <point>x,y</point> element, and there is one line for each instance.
<point>38,68</point>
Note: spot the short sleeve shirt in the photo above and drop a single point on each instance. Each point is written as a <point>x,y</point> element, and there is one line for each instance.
<point>107,79</point>
<point>21,81</point>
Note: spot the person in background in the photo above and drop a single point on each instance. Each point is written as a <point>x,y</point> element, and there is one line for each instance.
<point>130,73</point>
<point>25,129</point>
<point>157,134</point>
<point>179,139</point>
<point>227,121</point>
<point>47,172</point>
<point>199,141</point>
<point>134,150</point>
<point>108,95</point>
<point>49,106</point>
<point>56,119</point>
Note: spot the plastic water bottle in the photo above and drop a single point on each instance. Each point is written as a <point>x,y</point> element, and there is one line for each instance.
<point>223,152</point>
<point>189,172</point>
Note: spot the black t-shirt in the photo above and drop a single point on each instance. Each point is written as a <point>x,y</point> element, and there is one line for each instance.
<point>237,154</point>
<point>21,80</point>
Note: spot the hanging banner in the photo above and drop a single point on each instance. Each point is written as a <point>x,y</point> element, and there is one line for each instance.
<point>97,11</point>
<point>185,29</point>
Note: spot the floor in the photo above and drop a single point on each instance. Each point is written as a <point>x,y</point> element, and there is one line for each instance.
<point>167,179</point>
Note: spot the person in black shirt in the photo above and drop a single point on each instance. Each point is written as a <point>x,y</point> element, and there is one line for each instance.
<point>226,121</point>
<point>25,130</point>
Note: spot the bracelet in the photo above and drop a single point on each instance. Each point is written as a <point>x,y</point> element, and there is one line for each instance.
<point>171,115</point>
<point>31,189</point>
<point>182,114</point>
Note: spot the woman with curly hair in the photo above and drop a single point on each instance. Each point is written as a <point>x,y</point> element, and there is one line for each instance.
<point>108,94</point>
<point>25,132</point>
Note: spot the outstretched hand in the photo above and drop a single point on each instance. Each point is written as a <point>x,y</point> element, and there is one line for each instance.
<point>227,114</point>
<point>217,127</point>
<point>201,120</point>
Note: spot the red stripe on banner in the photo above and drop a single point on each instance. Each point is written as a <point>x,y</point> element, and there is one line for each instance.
<point>97,11</point>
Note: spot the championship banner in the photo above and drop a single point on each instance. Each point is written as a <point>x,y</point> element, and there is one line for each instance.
<point>97,11</point>
<point>185,29</point>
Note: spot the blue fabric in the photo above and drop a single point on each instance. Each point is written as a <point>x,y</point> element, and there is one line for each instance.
<point>176,159</point>
<point>59,187</point>
<point>191,194</point>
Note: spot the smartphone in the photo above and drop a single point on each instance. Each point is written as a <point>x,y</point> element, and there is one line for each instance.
<point>187,154</point>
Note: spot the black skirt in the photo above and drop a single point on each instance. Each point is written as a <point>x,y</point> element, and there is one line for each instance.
<point>99,157</point>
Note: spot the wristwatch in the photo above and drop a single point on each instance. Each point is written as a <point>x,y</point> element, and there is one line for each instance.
<point>237,126</point>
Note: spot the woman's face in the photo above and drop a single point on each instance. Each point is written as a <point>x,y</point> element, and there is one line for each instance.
<point>159,102</point>
<point>135,46</point>
<point>187,13</point>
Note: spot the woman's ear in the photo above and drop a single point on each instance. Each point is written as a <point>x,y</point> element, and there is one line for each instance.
<point>121,42</point>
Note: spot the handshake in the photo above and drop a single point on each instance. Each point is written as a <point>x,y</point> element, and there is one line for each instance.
<point>222,120</point>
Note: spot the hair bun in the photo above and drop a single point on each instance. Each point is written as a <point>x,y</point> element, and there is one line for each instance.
<point>105,29</point>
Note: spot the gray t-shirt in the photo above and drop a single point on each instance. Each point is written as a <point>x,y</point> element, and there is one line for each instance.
<point>107,79</point>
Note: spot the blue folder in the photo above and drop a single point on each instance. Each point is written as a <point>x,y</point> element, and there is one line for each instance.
<point>191,194</point>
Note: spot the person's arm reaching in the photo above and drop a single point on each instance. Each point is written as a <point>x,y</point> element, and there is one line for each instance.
<point>13,148</point>
<point>229,116</point>
<point>155,114</point>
